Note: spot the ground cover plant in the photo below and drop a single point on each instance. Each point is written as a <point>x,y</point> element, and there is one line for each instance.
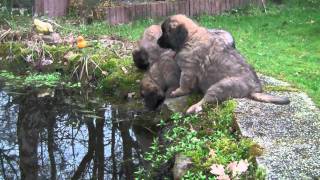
<point>210,139</point>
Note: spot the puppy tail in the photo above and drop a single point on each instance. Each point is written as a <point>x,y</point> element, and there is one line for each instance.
<point>262,97</point>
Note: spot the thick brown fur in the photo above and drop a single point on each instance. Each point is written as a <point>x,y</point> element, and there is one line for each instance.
<point>161,78</point>
<point>207,63</point>
<point>149,51</point>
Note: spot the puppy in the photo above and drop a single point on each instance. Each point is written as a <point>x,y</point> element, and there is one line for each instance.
<point>148,50</point>
<point>225,36</point>
<point>160,80</point>
<point>207,63</point>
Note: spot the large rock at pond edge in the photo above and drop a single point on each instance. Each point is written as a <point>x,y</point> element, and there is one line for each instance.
<point>172,105</point>
<point>289,134</point>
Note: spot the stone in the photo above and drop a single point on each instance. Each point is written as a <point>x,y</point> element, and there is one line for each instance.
<point>289,134</point>
<point>182,164</point>
<point>178,104</point>
<point>52,39</point>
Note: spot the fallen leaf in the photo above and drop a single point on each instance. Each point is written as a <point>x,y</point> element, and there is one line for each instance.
<point>46,61</point>
<point>243,166</point>
<point>212,153</point>
<point>217,169</point>
<point>232,166</point>
<point>29,58</point>
<point>223,177</point>
<point>125,71</point>
<point>130,95</point>
<point>104,73</point>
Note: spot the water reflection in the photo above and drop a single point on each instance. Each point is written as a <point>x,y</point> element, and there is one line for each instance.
<point>61,134</point>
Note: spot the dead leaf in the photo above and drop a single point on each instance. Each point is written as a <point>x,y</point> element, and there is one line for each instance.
<point>125,71</point>
<point>217,169</point>
<point>232,166</point>
<point>243,166</point>
<point>104,73</point>
<point>223,177</point>
<point>212,153</point>
<point>131,95</point>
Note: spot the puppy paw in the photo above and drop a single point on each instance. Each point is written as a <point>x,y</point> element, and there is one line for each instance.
<point>196,108</point>
<point>178,92</point>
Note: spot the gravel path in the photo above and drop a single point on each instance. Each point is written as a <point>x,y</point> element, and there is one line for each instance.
<point>289,134</point>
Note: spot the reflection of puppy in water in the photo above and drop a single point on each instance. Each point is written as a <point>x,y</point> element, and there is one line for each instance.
<point>219,71</point>
<point>159,81</point>
<point>149,51</point>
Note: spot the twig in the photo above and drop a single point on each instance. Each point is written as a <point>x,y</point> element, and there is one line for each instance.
<point>3,35</point>
<point>264,6</point>
<point>8,22</point>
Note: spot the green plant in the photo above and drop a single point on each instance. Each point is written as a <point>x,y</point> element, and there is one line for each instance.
<point>206,138</point>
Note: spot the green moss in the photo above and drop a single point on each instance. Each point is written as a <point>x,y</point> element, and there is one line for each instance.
<point>119,81</point>
<point>197,135</point>
<point>31,80</point>
<point>280,88</point>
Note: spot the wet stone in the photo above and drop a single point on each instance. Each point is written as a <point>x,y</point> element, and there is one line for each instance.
<point>289,134</point>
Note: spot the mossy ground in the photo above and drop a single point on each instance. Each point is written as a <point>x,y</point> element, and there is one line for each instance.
<point>208,138</point>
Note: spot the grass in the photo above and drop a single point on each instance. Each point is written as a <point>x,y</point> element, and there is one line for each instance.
<point>283,43</point>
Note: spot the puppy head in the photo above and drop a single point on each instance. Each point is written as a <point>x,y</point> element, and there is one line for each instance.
<point>152,94</point>
<point>140,58</point>
<point>175,31</point>
<point>152,33</point>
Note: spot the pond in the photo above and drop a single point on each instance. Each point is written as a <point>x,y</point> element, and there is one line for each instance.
<point>70,134</point>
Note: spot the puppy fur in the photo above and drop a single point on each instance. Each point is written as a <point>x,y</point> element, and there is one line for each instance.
<point>160,80</point>
<point>207,63</point>
<point>149,51</point>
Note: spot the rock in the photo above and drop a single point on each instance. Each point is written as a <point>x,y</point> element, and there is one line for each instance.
<point>172,105</point>
<point>52,39</point>
<point>267,80</point>
<point>42,27</point>
<point>181,165</point>
<point>178,104</point>
<point>289,134</point>
<point>71,56</point>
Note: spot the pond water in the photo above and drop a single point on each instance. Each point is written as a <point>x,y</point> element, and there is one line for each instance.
<point>69,134</point>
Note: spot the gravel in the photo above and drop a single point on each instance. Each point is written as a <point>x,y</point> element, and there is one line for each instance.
<point>289,134</point>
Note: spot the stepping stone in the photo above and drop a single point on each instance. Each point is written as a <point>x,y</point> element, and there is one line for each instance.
<point>289,134</point>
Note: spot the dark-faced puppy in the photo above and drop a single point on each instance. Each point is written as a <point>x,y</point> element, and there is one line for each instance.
<point>161,78</point>
<point>148,50</point>
<point>207,63</point>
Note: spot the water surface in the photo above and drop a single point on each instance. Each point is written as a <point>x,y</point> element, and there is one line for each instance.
<point>69,134</point>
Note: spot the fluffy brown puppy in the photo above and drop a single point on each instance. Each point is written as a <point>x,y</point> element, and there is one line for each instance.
<point>219,71</point>
<point>159,81</point>
<point>149,51</point>
<point>225,36</point>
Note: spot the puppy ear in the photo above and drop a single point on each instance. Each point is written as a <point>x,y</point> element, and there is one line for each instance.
<point>140,59</point>
<point>180,36</point>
